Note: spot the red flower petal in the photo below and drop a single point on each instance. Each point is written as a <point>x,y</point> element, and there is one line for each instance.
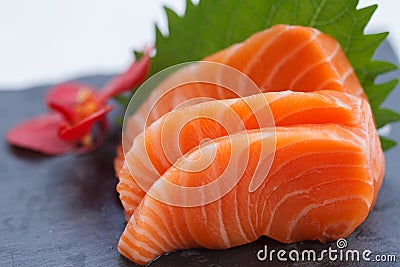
<point>70,115</point>
<point>126,81</point>
<point>64,99</point>
<point>78,131</point>
<point>40,134</point>
<point>65,93</point>
<point>99,138</point>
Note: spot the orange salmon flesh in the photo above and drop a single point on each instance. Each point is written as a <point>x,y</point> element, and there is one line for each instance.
<point>320,182</point>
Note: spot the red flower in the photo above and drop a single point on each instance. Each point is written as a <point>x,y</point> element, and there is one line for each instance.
<point>76,108</point>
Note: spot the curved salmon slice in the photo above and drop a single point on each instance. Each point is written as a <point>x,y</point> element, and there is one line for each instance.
<point>294,202</point>
<point>292,57</point>
<point>165,141</point>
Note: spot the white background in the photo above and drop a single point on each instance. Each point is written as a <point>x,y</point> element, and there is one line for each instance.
<point>49,41</point>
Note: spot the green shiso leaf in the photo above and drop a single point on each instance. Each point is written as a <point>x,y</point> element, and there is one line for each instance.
<point>384,116</point>
<point>387,143</point>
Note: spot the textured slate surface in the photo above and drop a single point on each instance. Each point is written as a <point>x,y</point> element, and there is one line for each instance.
<point>64,211</point>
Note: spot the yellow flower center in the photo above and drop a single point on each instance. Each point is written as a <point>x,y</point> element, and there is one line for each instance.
<point>86,103</point>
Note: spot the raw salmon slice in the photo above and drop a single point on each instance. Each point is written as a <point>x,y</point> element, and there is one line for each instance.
<point>321,186</point>
<point>280,58</point>
<point>157,148</point>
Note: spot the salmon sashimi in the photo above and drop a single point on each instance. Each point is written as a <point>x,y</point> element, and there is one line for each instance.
<point>150,157</point>
<point>321,186</point>
<point>280,58</point>
<point>272,136</point>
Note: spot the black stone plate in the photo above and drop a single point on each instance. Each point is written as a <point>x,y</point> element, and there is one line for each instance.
<point>64,211</point>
